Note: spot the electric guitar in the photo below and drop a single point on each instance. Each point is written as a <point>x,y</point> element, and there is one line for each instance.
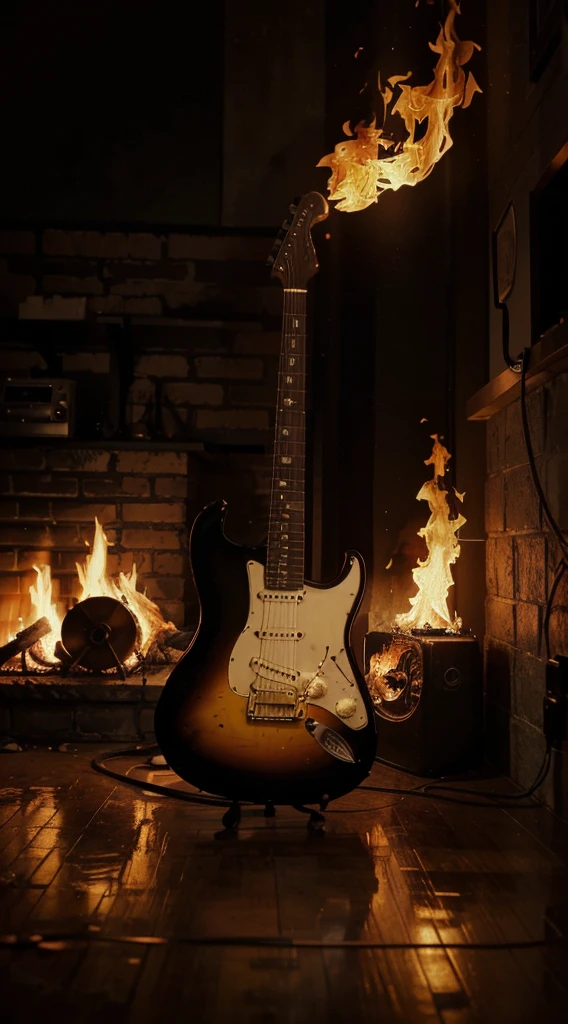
<point>267,704</point>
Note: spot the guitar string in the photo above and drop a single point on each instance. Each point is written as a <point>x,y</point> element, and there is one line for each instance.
<point>274,553</point>
<point>285,620</point>
<point>277,529</point>
<point>273,622</point>
<point>294,608</point>
<point>301,437</point>
<point>283,652</point>
<point>290,475</point>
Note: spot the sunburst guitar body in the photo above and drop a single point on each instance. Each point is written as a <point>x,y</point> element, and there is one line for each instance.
<point>268,704</point>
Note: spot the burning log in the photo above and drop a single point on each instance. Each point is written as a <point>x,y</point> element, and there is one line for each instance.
<point>25,639</point>
<point>180,639</point>
<point>167,646</point>
<point>99,643</point>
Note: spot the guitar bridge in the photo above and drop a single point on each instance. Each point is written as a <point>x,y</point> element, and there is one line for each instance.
<point>267,703</point>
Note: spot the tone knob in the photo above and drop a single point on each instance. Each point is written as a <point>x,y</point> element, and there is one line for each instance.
<point>346,707</point>
<point>317,688</point>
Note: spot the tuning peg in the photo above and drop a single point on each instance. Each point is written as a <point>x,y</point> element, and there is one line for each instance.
<point>274,252</point>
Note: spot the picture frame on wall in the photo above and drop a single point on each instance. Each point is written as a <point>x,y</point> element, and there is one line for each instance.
<point>545,32</point>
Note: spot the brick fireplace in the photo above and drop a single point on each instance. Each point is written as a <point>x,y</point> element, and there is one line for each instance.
<point>174,366</point>
<point>50,499</point>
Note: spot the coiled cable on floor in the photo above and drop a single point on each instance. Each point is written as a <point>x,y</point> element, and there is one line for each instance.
<point>58,942</point>
<point>438,789</point>
<point>99,765</point>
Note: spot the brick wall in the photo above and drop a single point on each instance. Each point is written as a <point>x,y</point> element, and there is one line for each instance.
<point>205,335</point>
<point>49,499</point>
<point>521,560</point>
<point>138,272</point>
<point>217,365</point>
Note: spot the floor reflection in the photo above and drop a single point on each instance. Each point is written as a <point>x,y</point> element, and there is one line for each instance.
<point>106,861</point>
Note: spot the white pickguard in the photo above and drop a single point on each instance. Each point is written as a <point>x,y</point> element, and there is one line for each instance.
<point>319,654</point>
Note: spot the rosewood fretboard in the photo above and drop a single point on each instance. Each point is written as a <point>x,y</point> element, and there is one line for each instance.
<point>285,557</point>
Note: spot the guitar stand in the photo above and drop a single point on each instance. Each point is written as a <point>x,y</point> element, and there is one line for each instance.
<point>232,818</point>
<point>316,822</point>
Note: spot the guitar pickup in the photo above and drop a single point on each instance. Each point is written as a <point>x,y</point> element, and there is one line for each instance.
<point>269,703</point>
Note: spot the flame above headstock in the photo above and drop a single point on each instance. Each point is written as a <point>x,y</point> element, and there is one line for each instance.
<point>293,257</point>
<point>370,162</point>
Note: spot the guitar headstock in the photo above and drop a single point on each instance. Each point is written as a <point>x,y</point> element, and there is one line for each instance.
<point>293,258</point>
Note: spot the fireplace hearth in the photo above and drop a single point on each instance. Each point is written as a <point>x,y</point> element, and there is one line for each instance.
<point>51,709</point>
<point>100,688</point>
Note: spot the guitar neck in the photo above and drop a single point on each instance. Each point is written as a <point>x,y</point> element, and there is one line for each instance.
<point>286,532</point>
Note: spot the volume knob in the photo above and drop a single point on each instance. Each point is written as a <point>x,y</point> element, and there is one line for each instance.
<point>317,689</point>
<point>346,707</point>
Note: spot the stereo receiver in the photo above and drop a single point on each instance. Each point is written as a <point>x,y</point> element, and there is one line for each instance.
<point>37,408</point>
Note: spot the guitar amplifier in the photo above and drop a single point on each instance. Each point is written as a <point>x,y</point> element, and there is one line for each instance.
<point>427,691</point>
<point>37,408</point>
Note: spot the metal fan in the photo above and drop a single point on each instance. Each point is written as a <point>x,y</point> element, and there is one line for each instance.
<point>99,634</point>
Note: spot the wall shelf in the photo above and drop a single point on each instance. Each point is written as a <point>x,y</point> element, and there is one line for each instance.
<point>548,357</point>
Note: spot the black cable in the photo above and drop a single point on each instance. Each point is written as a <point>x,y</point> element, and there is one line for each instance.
<point>560,570</point>
<point>362,810</point>
<point>560,538</point>
<point>98,763</point>
<point>513,364</point>
<point>562,541</point>
<point>462,802</point>
<point>491,794</point>
<point>421,790</point>
<point>424,788</point>
<point>59,941</point>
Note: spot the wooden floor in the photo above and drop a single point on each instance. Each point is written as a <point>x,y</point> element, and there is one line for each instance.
<point>88,864</point>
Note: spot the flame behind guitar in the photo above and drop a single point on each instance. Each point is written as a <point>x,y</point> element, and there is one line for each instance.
<point>267,704</point>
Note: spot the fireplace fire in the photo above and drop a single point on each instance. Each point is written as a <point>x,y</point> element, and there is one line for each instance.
<point>112,629</point>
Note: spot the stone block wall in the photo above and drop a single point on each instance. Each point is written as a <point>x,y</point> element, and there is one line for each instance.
<point>522,557</point>
<point>526,147</point>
